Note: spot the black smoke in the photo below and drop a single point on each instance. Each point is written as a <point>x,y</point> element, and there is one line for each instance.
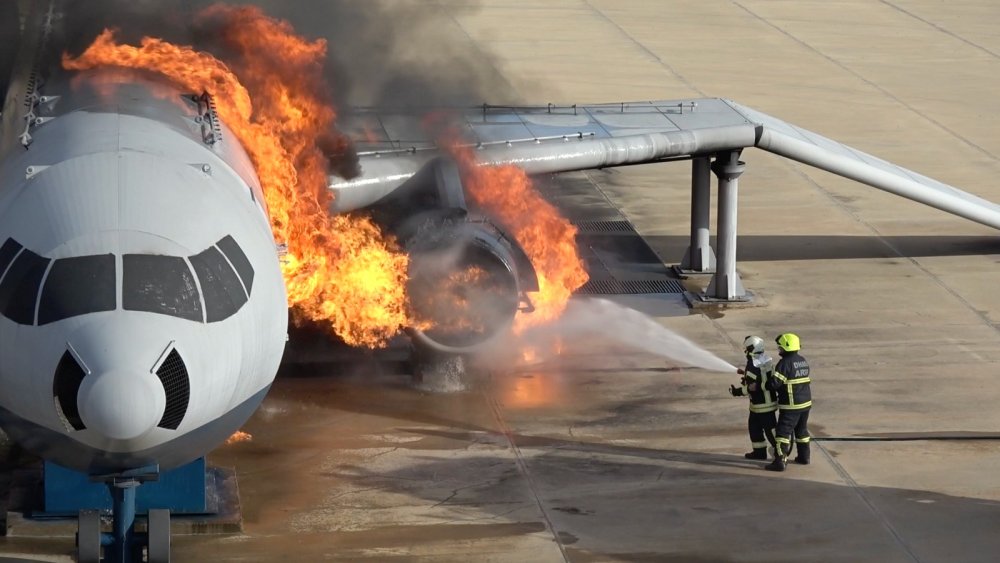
<point>379,53</point>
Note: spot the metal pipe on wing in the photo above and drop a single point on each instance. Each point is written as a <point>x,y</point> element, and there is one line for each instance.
<point>381,175</point>
<point>620,151</point>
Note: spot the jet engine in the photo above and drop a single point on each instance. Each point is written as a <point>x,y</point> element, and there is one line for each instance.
<point>467,277</point>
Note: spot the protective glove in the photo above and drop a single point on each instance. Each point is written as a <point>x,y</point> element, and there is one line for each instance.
<point>735,391</point>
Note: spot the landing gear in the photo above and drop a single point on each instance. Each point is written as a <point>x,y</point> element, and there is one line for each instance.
<point>124,544</point>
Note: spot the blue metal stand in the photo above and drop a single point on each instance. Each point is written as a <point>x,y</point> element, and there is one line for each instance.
<point>181,490</point>
<point>121,544</point>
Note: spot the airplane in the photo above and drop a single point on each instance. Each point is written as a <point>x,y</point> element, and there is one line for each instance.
<point>143,311</point>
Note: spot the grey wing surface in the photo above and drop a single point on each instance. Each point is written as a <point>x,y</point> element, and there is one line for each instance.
<point>548,139</point>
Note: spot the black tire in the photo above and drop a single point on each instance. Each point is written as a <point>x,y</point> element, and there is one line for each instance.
<point>88,537</point>
<point>159,536</point>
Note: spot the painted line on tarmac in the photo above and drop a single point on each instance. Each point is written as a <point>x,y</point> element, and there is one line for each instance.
<point>522,468</point>
<point>871,506</point>
<point>942,29</point>
<point>843,66</point>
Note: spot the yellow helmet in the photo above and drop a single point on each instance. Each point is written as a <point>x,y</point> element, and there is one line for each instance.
<point>788,342</point>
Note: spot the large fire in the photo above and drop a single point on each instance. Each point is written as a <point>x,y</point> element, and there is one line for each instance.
<point>339,269</point>
<point>547,237</point>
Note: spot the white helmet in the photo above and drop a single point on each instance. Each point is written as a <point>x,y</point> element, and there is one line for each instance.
<point>753,345</point>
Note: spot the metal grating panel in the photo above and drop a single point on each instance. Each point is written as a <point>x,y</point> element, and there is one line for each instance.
<point>173,374</point>
<point>605,227</point>
<point>629,287</point>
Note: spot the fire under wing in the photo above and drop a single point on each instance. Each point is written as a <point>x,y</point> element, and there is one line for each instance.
<point>547,139</point>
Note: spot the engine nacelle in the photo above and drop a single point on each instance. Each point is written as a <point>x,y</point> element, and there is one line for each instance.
<point>463,285</point>
<point>467,278</point>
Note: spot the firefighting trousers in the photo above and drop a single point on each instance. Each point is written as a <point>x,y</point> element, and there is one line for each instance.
<point>792,423</point>
<point>761,426</point>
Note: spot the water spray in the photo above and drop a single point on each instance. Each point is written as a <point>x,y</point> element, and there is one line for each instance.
<point>633,329</point>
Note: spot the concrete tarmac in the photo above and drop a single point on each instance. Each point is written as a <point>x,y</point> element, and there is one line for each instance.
<point>608,454</point>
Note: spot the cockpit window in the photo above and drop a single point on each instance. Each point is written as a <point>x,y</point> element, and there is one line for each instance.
<point>77,286</point>
<point>224,294</point>
<point>160,284</point>
<point>239,261</point>
<point>152,283</point>
<point>7,253</point>
<point>19,288</point>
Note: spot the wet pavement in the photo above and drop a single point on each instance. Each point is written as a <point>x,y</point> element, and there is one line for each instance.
<point>604,453</point>
<point>597,454</point>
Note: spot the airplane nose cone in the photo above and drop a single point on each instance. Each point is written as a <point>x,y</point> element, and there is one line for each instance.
<point>121,405</point>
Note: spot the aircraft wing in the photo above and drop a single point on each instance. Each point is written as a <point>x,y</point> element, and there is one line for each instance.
<point>546,139</point>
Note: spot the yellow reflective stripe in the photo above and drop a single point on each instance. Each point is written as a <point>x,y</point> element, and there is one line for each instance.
<point>763,407</point>
<point>779,376</point>
<point>799,381</point>
<point>802,440</point>
<point>758,445</point>
<point>782,440</point>
<point>795,407</point>
<point>751,375</point>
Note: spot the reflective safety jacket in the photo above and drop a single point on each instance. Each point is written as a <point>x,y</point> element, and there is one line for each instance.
<point>791,382</point>
<point>759,370</point>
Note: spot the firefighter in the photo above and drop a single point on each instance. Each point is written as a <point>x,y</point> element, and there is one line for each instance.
<point>756,374</point>
<point>791,382</point>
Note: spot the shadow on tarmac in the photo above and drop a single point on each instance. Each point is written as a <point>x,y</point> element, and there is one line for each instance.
<point>637,504</point>
<point>754,248</point>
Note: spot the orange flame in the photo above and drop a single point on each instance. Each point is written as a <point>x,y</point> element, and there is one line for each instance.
<point>239,436</point>
<point>506,193</point>
<point>341,270</point>
<point>454,311</point>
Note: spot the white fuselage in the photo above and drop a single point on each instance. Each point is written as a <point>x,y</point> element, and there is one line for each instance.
<point>135,243</point>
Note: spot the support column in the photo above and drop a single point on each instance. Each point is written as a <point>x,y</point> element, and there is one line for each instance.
<point>726,283</point>
<point>699,258</point>
<point>123,519</point>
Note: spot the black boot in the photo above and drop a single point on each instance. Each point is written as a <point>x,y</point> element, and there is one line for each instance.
<point>779,459</point>
<point>757,453</point>
<point>802,457</point>
<point>777,465</point>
